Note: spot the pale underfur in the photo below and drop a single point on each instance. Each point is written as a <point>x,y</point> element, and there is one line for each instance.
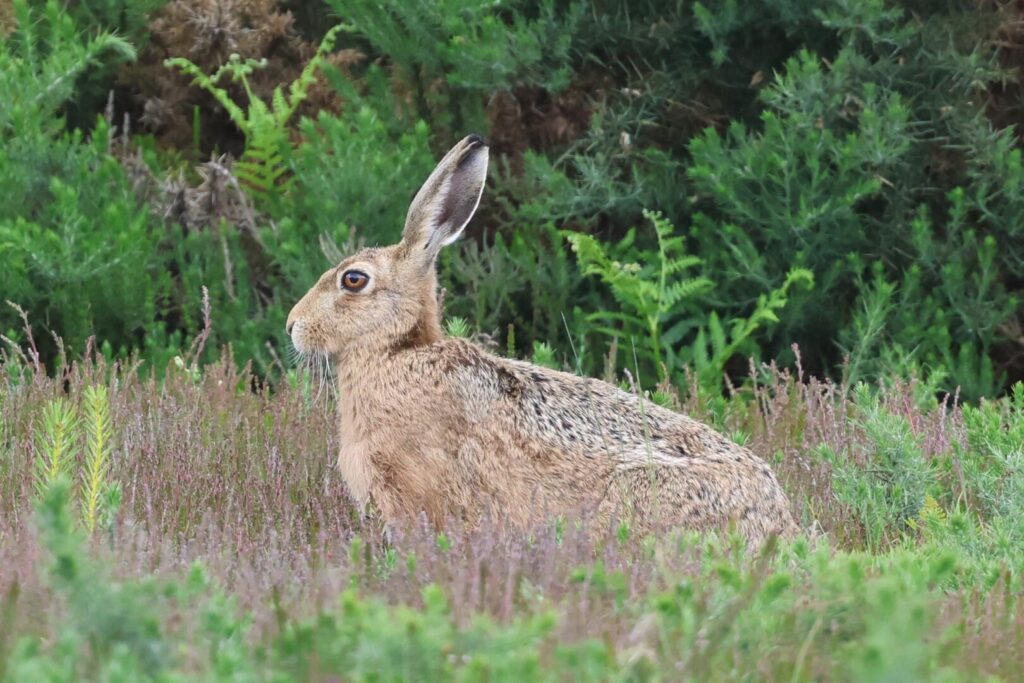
<point>436,425</point>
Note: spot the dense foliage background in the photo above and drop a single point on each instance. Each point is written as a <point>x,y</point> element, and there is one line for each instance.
<point>800,221</point>
<point>843,176</point>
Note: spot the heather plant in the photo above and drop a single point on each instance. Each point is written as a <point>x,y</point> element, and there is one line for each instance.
<point>237,554</point>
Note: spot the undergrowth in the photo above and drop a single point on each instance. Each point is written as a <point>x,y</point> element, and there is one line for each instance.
<point>235,552</point>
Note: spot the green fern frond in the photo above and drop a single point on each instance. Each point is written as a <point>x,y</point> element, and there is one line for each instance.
<point>653,291</point>
<point>685,289</point>
<point>261,168</point>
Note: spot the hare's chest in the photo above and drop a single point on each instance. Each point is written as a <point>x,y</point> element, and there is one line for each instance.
<point>355,458</point>
<point>356,467</point>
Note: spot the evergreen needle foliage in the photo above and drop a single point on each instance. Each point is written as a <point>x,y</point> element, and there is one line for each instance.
<point>57,444</point>
<point>99,495</point>
<point>39,63</point>
<point>59,440</point>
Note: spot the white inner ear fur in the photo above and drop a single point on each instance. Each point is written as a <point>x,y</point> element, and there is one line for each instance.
<point>473,171</point>
<point>435,229</point>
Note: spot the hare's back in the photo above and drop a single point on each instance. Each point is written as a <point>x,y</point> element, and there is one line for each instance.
<point>564,412</point>
<point>590,431</point>
<point>572,412</point>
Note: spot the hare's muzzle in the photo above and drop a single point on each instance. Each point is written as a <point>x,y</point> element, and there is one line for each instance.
<point>293,327</point>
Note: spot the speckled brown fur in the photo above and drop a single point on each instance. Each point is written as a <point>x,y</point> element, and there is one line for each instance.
<point>435,425</point>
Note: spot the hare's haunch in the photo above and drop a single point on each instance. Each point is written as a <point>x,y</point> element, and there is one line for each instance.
<point>435,424</point>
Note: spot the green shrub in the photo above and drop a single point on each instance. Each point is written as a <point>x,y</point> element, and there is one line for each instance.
<point>449,55</point>
<point>851,141</point>
<point>837,179</point>
<point>112,631</point>
<point>886,484</point>
<point>78,249</point>
<point>353,176</point>
<point>39,63</point>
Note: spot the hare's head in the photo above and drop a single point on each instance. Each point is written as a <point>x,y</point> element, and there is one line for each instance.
<point>386,297</point>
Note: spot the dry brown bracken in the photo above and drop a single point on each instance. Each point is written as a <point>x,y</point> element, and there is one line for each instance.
<point>436,425</point>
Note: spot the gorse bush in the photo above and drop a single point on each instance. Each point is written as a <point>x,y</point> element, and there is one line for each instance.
<point>830,202</point>
<point>447,56</point>
<point>78,260</point>
<point>41,59</point>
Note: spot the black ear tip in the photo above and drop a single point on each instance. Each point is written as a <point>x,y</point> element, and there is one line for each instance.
<point>474,140</point>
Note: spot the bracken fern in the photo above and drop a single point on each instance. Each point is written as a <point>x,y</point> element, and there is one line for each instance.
<point>263,124</point>
<point>650,298</point>
<point>662,303</point>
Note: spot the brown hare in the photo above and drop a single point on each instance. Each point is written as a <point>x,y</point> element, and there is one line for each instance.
<point>433,424</point>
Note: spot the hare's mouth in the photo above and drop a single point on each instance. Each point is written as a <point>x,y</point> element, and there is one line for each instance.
<point>299,341</point>
<point>316,362</point>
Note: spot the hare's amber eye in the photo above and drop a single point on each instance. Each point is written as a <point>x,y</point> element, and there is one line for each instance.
<point>354,280</point>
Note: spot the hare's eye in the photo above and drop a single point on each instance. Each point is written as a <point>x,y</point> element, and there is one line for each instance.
<point>354,280</point>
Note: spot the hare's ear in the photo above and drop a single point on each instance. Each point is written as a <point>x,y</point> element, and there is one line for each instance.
<point>447,200</point>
